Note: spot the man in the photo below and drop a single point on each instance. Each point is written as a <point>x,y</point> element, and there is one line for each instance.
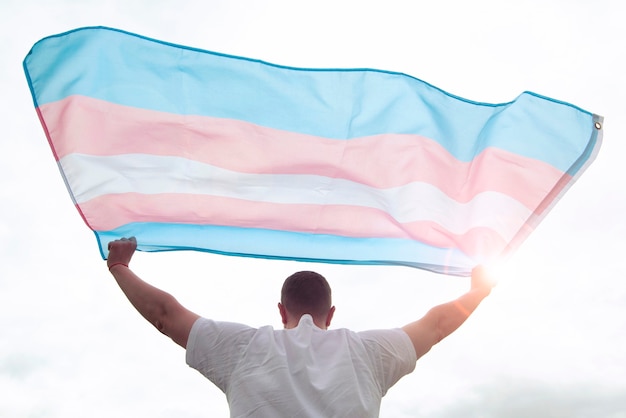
<point>304,370</point>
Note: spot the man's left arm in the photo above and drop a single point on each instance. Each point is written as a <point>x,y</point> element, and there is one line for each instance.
<point>158,307</point>
<point>444,319</point>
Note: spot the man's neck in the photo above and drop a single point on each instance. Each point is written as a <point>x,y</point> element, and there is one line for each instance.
<point>294,323</point>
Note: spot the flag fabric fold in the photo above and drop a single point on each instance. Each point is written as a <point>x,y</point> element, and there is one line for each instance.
<point>189,149</point>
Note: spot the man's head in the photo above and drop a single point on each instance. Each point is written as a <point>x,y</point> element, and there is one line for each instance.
<point>306,292</point>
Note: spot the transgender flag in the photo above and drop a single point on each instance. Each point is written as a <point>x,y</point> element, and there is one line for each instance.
<point>190,149</point>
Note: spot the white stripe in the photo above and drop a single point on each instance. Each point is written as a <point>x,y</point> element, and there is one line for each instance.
<point>92,176</point>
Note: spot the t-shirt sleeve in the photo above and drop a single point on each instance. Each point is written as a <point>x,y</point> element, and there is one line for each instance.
<point>214,348</point>
<point>392,354</point>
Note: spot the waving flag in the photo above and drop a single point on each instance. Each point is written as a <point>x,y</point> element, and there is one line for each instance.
<point>190,149</point>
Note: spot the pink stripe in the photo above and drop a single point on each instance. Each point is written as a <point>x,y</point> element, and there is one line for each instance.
<point>79,124</point>
<point>336,220</point>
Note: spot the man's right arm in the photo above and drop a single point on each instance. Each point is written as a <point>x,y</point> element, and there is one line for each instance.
<point>443,320</point>
<point>158,307</point>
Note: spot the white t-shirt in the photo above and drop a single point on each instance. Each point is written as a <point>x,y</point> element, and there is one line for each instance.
<point>300,372</point>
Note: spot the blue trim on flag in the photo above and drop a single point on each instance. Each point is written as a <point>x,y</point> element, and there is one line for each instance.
<point>285,245</point>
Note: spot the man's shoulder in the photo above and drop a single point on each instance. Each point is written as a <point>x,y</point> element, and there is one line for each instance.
<point>210,329</point>
<point>394,339</point>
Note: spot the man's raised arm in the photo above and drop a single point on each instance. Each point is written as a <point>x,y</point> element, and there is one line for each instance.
<point>160,308</point>
<point>444,319</point>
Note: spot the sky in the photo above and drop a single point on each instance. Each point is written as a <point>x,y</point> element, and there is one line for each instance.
<point>550,341</point>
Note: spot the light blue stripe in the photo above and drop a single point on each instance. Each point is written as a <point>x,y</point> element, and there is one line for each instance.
<point>263,243</point>
<point>132,70</point>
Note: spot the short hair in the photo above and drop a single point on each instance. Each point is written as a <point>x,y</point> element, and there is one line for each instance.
<point>306,292</point>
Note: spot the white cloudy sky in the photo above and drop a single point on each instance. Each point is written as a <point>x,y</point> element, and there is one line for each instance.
<point>549,342</point>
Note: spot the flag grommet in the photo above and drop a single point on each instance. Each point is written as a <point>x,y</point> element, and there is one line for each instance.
<point>598,125</point>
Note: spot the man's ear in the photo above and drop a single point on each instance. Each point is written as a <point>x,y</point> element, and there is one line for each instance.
<point>329,317</point>
<point>283,312</point>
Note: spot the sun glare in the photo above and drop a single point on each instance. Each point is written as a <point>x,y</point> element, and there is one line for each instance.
<point>500,271</point>
<point>516,274</point>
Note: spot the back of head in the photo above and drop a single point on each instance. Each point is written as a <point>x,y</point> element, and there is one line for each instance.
<point>306,292</point>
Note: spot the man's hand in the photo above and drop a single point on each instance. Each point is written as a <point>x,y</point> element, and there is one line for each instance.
<point>482,279</point>
<point>121,251</point>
